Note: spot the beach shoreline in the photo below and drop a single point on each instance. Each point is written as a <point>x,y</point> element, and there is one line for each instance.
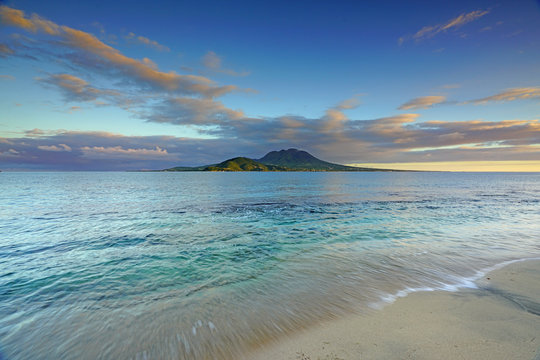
<point>499,318</point>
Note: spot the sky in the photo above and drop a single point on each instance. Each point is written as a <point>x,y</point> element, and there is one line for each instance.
<point>123,85</point>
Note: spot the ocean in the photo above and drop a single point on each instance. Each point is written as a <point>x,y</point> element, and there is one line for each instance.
<point>203,265</point>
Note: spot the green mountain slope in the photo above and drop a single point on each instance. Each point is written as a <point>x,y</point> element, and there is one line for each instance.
<point>187,168</point>
<point>242,164</point>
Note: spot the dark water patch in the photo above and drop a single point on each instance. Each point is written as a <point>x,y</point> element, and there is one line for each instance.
<point>22,250</point>
<point>109,241</point>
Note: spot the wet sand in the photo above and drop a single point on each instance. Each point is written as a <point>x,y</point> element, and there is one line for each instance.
<point>498,320</point>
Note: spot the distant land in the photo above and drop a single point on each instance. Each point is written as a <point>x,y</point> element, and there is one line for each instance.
<point>283,160</point>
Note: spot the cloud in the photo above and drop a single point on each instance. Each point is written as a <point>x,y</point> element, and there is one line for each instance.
<point>60,147</point>
<point>334,118</point>
<point>351,103</point>
<point>430,31</point>
<point>392,126</point>
<point>464,19</point>
<point>395,138</point>
<point>213,62</point>
<point>39,132</point>
<point>118,152</point>
<point>186,99</point>
<point>92,53</point>
<point>109,151</point>
<point>15,17</point>
<point>423,102</point>
<point>146,41</point>
<point>5,51</point>
<point>470,140</point>
<point>192,111</point>
<point>401,137</point>
<point>511,95</point>
<point>77,89</point>
<point>7,77</point>
<point>74,108</point>
<point>426,102</point>
<point>141,70</point>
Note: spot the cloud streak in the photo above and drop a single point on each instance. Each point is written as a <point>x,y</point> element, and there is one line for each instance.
<point>60,147</point>
<point>431,31</point>
<point>118,152</point>
<point>5,51</point>
<point>511,95</point>
<point>146,41</point>
<point>211,61</point>
<point>424,102</point>
<point>92,53</point>
<point>77,89</point>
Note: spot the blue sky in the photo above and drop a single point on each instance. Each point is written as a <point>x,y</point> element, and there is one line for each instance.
<point>130,85</point>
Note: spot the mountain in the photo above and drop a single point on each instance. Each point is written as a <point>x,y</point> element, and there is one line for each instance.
<point>283,160</point>
<point>300,160</point>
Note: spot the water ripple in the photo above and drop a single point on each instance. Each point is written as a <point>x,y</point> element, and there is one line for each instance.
<point>204,266</point>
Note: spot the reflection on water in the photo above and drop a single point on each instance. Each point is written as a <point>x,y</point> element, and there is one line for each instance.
<point>206,265</point>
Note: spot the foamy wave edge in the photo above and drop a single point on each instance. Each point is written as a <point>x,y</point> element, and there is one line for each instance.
<point>463,283</point>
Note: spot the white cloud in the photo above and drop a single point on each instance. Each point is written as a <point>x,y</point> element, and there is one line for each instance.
<point>60,147</point>
<point>118,152</point>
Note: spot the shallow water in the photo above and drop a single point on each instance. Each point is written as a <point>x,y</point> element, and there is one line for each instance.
<point>207,265</point>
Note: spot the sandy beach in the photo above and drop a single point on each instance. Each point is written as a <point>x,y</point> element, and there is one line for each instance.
<point>498,320</point>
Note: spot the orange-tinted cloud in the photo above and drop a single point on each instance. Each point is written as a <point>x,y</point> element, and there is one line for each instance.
<point>392,127</point>
<point>146,41</point>
<point>15,17</point>
<point>423,102</point>
<point>464,19</point>
<point>334,118</point>
<point>77,89</point>
<point>511,95</point>
<point>351,103</point>
<point>431,30</point>
<point>5,50</point>
<point>139,71</point>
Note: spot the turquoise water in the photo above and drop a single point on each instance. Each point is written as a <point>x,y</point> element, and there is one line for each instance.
<point>208,265</point>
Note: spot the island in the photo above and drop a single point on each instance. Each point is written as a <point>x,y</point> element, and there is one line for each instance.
<point>282,160</point>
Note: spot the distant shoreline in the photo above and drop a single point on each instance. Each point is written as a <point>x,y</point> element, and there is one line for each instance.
<point>282,160</point>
